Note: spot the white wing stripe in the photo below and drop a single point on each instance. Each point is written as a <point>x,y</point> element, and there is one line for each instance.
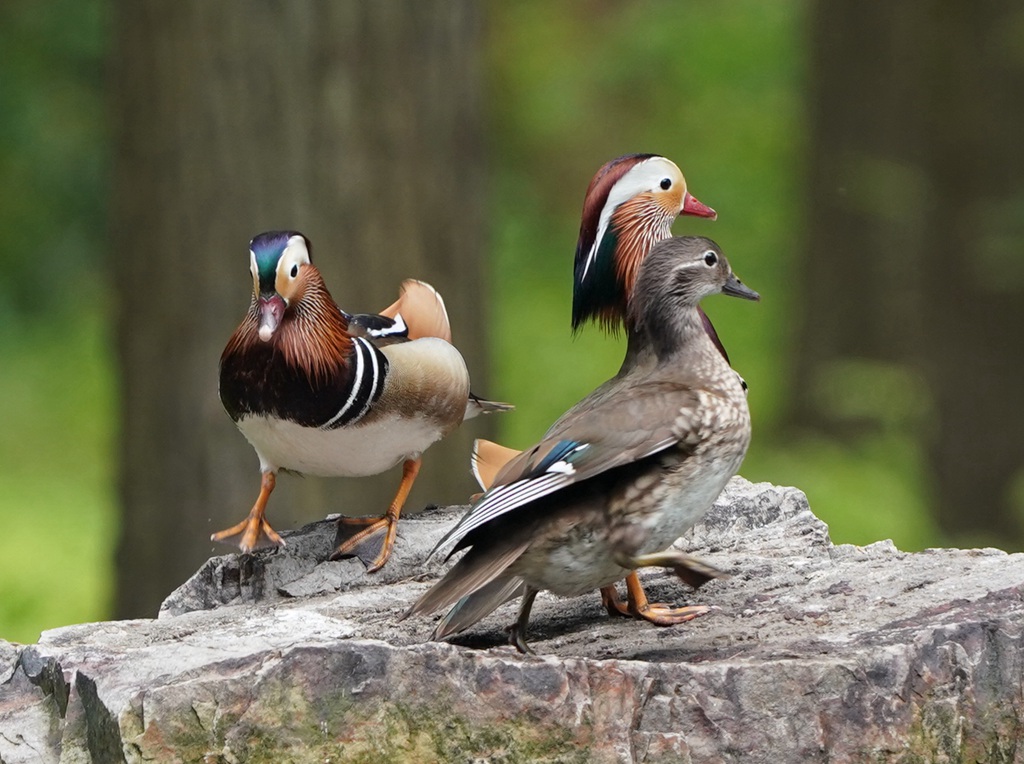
<point>508,498</point>
<point>398,328</point>
<point>514,495</point>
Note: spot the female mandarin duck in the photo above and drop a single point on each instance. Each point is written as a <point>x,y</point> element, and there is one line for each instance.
<point>629,207</point>
<point>318,391</point>
<point>621,475</point>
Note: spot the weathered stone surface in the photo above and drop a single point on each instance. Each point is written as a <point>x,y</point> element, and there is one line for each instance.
<point>813,652</point>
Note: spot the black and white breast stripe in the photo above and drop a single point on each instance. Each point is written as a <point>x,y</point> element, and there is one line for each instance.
<point>371,370</point>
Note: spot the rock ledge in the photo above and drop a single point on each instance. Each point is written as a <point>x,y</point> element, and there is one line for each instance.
<point>814,652</point>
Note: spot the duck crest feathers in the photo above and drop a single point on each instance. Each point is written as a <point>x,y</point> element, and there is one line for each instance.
<point>613,221</point>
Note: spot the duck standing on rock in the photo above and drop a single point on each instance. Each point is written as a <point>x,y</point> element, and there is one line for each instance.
<point>628,207</point>
<point>321,392</point>
<point>625,472</point>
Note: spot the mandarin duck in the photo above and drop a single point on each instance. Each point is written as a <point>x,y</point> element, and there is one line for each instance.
<point>318,391</point>
<point>623,474</point>
<point>629,207</point>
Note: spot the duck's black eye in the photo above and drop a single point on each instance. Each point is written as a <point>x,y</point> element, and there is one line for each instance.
<point>666,183</point>
<point>295,270</point>
<point>710,258</point>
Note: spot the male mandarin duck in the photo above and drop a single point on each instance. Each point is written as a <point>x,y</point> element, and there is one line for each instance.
<point>321,392</point>
<point>629,207</point>
<point>621,475</point>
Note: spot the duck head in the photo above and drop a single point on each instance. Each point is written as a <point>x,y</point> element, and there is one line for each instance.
<point>629,207</point>
<point>678,273</point>
<point>280,265</point>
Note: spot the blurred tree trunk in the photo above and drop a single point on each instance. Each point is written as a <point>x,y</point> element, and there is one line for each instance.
<point>358,124</point>
<point>974,349</point>
<point>916,234</point>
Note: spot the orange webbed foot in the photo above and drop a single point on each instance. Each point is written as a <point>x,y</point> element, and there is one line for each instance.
<point>253,531</point>
<point>637,605</point>
<point>364,544</point>
<point>254,528</point>
<point>371,549</point>
<point>613,604</point>
<point>666,615</point>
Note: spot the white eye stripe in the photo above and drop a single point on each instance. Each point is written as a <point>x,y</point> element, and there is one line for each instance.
<point>295,254</point>
<point>645,176</point>
<point>297,246</point>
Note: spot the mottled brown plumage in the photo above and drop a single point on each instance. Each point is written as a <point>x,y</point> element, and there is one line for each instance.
<point>622,474</point>
<point>630,205</point>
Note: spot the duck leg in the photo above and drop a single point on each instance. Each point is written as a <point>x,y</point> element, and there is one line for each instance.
<point>374,525</point>
<point>517,631</point>
<point>255,526</point>
<point>689,569</point>
<point>613,604</point>
<point>637,606</point>
<point>659,614</point>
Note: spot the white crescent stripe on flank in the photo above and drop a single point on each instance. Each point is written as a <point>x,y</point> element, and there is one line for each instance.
<point>357,378</point>
<point>371,394</point>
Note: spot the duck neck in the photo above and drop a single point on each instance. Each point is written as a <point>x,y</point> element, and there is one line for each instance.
<point>663,336</point>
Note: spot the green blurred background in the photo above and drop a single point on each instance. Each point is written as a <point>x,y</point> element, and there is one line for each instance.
<point>721,88</point>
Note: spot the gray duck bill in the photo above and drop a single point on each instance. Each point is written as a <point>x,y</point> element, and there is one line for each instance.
<point>736,288</point>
